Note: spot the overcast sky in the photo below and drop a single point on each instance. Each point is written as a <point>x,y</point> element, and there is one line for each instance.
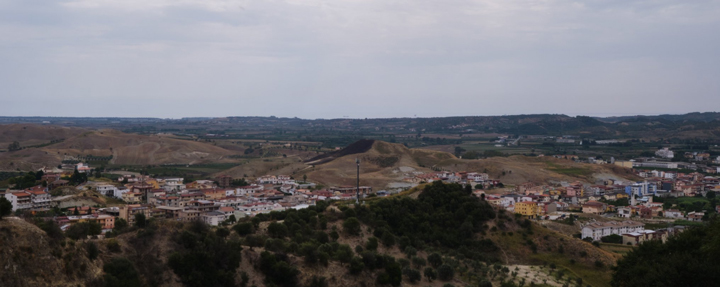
<point>357,58</point>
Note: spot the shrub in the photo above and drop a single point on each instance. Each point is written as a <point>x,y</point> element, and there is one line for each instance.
<point>92,250</point>
<point>352,226</point>
<point>419,262</point>
<point>356,265</point>
<point>430,274</point>
<point>113,245</point>
<point>446,272</point>
<point>413,275</point>
<point>435,260</point>
<point>372,244</point>
<point>120,272</point>
<point>277,230</point>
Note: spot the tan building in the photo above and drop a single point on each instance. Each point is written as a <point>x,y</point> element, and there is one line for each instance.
<point>527,208</point>
<point>594,207</point>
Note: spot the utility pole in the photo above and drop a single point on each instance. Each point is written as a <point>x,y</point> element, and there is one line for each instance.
<point>357,201</point>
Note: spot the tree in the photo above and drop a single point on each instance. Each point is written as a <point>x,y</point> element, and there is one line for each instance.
<point>352,226</point>
<point>76,212</point>
<point>446,272</point>
<point>413,275</point>
<point>372,244</point>
<point>243,228</point>
<point>304,177</point>
<point>430,274</point>
<point>388,239</point>
<point>5,207</point>
<point>140,220</point>
<point>120,225</point>
<point>277,230</point>
<point>435,260</point>
<point>120,272</point>
<point>710,194</point>
<point>356,265</point>
<point>14,146</point>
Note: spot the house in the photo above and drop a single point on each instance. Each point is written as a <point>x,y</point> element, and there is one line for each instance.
<point>213,218</point>
<point>673,213</point>
<point>695,216</point>
<point>594,207</point>
<point>129,211</point>
<point>624,212</point>
<point>132,197</point>
<point>599,230</point>
<point>20,200</point>
<point>108,190</point>
<point>527,208</point>
<point>223,181</point>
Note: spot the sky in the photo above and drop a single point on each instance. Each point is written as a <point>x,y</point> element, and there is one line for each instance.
<point>357,58</point>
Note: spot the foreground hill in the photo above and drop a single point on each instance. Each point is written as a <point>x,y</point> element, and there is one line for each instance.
<point>111,146</point>
<point>444,236</point>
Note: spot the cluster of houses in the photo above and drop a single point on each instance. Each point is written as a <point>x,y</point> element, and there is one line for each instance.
<point>633,233</point>
<point>537,201</point>
<point>471,178</point>
<point>211,201</point>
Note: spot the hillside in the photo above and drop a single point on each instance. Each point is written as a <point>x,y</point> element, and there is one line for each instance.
<point>112,147</point>
<point>381,163</point>
<point>386,164</point>
<point>392,242</point>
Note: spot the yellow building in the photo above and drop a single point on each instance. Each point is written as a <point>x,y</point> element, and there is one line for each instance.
<point>621,195</point>
<point>527,208</point>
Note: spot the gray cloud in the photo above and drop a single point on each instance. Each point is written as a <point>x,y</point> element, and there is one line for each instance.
<point>372,58</point>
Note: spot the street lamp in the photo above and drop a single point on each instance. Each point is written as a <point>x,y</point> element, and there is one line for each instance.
<point>357,200</point>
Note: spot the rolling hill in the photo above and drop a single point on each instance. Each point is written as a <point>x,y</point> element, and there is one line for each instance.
<point>112,146</point>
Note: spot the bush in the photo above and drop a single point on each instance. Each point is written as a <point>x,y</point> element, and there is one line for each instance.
<point>277,230</point>
<point>413,275</point>
<point>140,220</point>
<point>612,238</point>
<point>83,230</point>
<point>356,265</point>
<point>352,226</point>
<point>446,272</point>
<point>410,251</point>
<point>599,264</point>
<point>92,250</point>
<point>419,262</point>
<point>372,244</point>
<point>430,274</point>
<point>435,260</point>
<point>120,272</point>
<point>113,245</point>
<point>204,258</point>
<point>388,239</point>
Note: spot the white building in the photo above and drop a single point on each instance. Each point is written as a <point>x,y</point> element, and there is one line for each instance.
<point>20,200</point>
<point>673,213</point>
<point>599,230</point>
<point>213,218</point>
<point>665,153</point>
<point>108,190</point>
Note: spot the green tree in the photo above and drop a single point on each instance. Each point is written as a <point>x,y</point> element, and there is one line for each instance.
<point>243,228</point>
<point>446,272</point>
<point>5,207</point>
<point>14,146</point>
<point>356,265</point>
<point>430,274</point>
<point>435,260</point>
<point>140,220</point>
<point>277,230</point>
<point>413,275</point>
<point>388,239</point>
<point>352,226</point>
<point>120,225</point>
<point>371,244</point>
<point>120,272</point>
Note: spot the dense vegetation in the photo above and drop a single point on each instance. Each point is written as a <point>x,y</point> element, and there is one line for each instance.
<point>443,216</point>
<point>691,258</point>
